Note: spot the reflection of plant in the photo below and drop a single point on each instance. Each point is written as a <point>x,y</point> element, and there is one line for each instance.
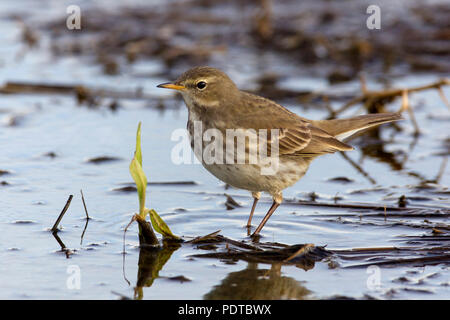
<point>146,234</point>
<point>151,261</point>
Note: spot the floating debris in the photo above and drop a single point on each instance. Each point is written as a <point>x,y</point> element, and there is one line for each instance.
<point>344,180</point>
<point>179,279</point>
<point>126,189</point>
<point>301,255</point>
<point>103,159</point>
<point>231,204</point>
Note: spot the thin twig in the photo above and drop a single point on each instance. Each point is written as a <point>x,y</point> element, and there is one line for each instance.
<point>44,88</point>
<point>55,226</point>
<point>414,122</point>
<point>362,81</point>
<point>300,251</point>
<point>350,103</point>
<point>416,211</point>
<point>441,93</point>
<point>238,243</point>
<point>133,218</point>
<point>405,102</point>
<point>406,106</point>
<point>433,260</point>
<point>391,93</point>
<point>124,252</point>
<point>441,170</point>
<point>84,204</point>
<point>328,106</point>
<point>358,168</point>
<point>204,238</point>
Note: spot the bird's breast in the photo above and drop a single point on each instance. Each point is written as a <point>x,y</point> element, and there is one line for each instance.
<point>240,164</point>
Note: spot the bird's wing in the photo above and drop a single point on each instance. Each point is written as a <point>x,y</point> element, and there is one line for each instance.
<point>290,136</point>
<point>293,139</point>
<point>296,136</point>
<point>322,142</point>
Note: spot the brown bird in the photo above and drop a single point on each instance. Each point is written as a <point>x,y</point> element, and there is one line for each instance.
<point>216,105</point>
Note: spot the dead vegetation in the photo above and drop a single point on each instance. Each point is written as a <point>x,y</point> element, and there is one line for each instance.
<point>193,31</point>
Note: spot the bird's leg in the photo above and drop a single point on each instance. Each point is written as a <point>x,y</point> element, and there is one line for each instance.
<point>277,199</point>
<point>256,196</point>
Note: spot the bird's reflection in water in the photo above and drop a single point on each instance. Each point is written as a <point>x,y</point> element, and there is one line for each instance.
<point>253,283</point>
<point>151,261</point>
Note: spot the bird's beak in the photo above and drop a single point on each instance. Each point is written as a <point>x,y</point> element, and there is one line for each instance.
<point>169,85</point>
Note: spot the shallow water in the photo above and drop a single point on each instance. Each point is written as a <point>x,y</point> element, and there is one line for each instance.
<point>37,186</point>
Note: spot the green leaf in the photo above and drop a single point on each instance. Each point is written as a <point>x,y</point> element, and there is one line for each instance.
<point>138,174</point>
<point>140,179</point>
<point>160,226</point>
<point>141,184</point>
<point>138,152</point>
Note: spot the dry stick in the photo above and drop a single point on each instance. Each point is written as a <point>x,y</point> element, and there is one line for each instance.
<point>369,249</point>
<point>238,243</point>
<point>358,168</point>
<point>84,204</point>
<point>21,87</point>
<point>405,102</point>
<point>433,212</point>
<point>414,122</point>
<point>441,93</point>
<point>372,207</point>
<point>404,106</point>
<point>328,105</point>
<point>422,260</point>
<point>441,170</point>
<point>362,81</point>
<point>407,106</point>
<point>220,238</point>
<point>55,226</point>
<point>87,217</point>
<point>349,104</point>
<point>391,93</point>
<point>305,249</point>
<point>204,238</point>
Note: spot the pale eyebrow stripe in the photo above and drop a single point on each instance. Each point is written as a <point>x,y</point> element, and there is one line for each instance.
<point>206,79</point>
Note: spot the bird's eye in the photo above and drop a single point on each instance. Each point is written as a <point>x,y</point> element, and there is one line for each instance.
<point>201,85</point>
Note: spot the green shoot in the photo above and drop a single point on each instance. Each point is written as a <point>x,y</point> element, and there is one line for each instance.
<point>138,174</point>
<point>140,179</point>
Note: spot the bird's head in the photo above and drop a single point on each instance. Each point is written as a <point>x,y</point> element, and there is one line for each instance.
<point>205,87</point>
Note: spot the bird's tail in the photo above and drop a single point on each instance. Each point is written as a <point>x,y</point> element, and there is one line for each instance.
<point>343,129</point>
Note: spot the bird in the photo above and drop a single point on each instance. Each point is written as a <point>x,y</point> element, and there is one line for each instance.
<point>215,104</point>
